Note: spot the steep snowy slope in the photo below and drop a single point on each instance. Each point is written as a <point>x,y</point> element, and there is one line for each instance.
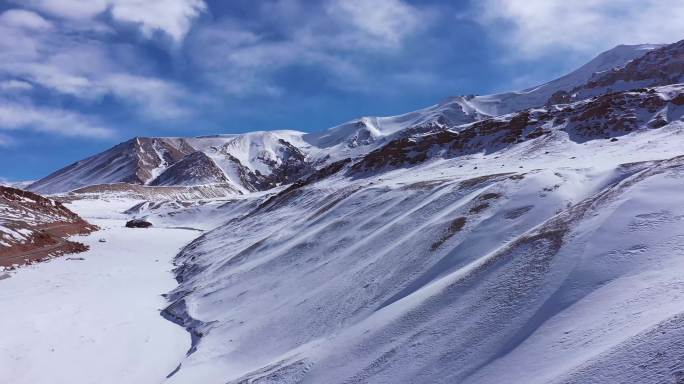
<point>354,138</point>
<point>258,160</point>
<point>658,67</point>
<point>540,246</point>
<point>453,270</point>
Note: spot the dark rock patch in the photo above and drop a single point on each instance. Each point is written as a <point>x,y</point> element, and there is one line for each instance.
<point>138,223</point>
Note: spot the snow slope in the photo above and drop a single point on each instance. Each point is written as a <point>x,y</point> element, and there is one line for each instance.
<point>94,320</point>
<point>454,270</point>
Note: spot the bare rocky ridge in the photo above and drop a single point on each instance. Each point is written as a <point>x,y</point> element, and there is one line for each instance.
<point>136,161</point>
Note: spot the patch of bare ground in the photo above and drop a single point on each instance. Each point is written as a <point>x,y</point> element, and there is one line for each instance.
<point>44,244</point>
<point>455,226</point>
<point>36,228</point>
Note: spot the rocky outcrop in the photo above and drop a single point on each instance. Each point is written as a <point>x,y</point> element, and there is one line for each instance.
<point>603,117</point>
<point>34,228</point>
<point>138,223</point>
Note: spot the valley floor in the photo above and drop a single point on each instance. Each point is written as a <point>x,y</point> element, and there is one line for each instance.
<point>95,320</point>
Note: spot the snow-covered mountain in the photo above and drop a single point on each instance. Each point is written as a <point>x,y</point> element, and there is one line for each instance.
<point>445,279</point>
<point>527,237</point>
<point>550,92</point>
<point>136,161</point>
<point>259,161</point>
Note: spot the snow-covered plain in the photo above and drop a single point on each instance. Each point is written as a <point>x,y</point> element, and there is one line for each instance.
<point>95,320</point>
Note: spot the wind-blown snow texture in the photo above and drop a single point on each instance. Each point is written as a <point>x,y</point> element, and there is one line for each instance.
<point>528,237</point>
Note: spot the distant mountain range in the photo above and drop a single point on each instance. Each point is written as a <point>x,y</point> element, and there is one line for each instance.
<point>259,161</point>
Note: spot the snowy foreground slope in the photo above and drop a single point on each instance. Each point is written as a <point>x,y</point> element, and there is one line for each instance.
<point>543,246</point>
<point>528,237</point>
<point>565,270</point>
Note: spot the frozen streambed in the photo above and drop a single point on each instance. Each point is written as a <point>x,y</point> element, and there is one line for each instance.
<point>95,320</point>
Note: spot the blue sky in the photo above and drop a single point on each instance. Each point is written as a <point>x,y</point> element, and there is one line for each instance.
<point>78,76</point>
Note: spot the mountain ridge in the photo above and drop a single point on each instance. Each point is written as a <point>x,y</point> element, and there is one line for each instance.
<point>254,161</point>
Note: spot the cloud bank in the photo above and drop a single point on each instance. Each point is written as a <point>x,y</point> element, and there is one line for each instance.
<point>537,28</point>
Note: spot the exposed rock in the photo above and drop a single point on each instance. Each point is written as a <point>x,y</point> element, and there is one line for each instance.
<point>138,223</point>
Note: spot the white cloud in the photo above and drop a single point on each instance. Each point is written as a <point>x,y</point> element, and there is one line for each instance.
<point>172,17</point>
<point>67,64</point>
<point>68,9</point>
<point>14,116</point>
<point>535,28</point>
<point>15,86</point>
<point>24,19</point>
<point>157,98</point>
<point>384,22</point>
<point>334,36</point>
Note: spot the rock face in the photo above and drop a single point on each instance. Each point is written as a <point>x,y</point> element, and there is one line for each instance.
<point>34,228</point>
